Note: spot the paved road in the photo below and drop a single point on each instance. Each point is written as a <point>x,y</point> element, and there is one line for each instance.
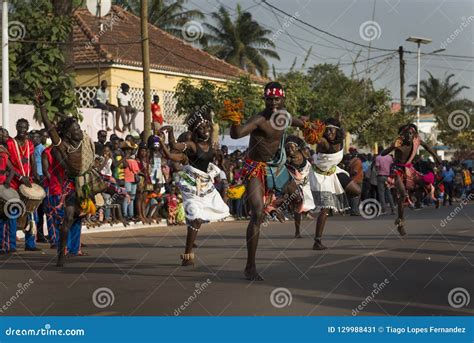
<point>368,270</point>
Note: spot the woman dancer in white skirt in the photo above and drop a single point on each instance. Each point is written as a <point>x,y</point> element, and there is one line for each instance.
<point>329,183</point>
<point>202,202</point>
<point>300,169</point>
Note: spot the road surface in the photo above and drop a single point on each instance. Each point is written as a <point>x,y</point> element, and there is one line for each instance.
<point>368,270</point>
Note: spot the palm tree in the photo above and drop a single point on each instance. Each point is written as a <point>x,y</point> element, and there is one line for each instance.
<point>242,42</point>
<point>443,100</point>
<point>439,94</point>
<point>168,15</point>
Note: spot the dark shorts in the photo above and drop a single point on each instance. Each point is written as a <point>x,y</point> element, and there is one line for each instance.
<point>105,107</point>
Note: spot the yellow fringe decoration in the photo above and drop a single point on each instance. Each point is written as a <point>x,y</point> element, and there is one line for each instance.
<point>313,131</point>
<point>233,111</point>
<point>88,207</point>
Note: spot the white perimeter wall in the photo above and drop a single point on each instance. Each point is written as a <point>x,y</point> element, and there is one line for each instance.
<point>90,124</point>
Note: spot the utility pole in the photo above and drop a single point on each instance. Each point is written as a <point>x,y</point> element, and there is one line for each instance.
<point>146,70</point>
<point>99,7</point>
<point>5,70</point>
<point>402,78</point>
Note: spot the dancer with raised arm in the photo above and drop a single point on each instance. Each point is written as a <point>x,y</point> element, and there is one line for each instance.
<point>202,202</point>
<point>404,175</point>
<point>74,151</point>
<point>265,172</point>
<point>329,183</point>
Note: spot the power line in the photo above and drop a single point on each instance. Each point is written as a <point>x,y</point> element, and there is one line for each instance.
<point>356,43</point>
<point>294,38</point>
<point>324,31</point>
<point>336,46</point>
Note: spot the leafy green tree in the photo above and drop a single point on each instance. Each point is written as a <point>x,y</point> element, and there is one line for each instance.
<point>325,91</point>
<point>191,97</point>
<point>37,58</point>
<point>242,42</point>
<point>300,98</point>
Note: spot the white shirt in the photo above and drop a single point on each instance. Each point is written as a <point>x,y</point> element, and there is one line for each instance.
<point>123,99</point>
<point>102,96</point>
<point>107,170</point>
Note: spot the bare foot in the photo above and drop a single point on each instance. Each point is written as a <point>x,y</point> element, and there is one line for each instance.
<point>186,263</point>
<point>400,223</point>
<point>251,274</point>
<point>319,246</point>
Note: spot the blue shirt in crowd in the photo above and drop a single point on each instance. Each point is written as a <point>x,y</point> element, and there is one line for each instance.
<point>448,175</point>
<point>38,151</point>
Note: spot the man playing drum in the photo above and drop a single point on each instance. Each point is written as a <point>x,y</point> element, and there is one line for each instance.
<point>21,151</point>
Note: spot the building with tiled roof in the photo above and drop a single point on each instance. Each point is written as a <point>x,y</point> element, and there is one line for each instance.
<point>119,59</point>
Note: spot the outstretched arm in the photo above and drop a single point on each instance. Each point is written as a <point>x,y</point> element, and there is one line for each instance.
<point>239,131</point>
<point>176,157</point>
<point>298,122</point>
<point>431,152</point>
<point>44,117</point>
<point>393,146</point>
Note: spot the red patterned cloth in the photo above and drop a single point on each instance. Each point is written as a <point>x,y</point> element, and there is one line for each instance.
<point>21,159</point>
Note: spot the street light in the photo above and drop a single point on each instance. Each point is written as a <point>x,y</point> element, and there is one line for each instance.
<point>418,103</point>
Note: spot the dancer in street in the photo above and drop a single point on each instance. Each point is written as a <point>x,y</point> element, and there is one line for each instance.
<point>74,151</point>
<point>404,175</point>
<point>330,184</point>
<point>201,200</point>
<point>265,173</point>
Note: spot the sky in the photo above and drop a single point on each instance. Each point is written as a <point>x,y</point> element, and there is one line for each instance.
<point>379,23</point>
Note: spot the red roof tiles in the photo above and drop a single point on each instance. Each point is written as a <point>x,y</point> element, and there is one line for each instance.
<point>120,44</point>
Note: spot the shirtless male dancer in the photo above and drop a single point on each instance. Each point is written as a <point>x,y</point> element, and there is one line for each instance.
<point>264,169</point>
